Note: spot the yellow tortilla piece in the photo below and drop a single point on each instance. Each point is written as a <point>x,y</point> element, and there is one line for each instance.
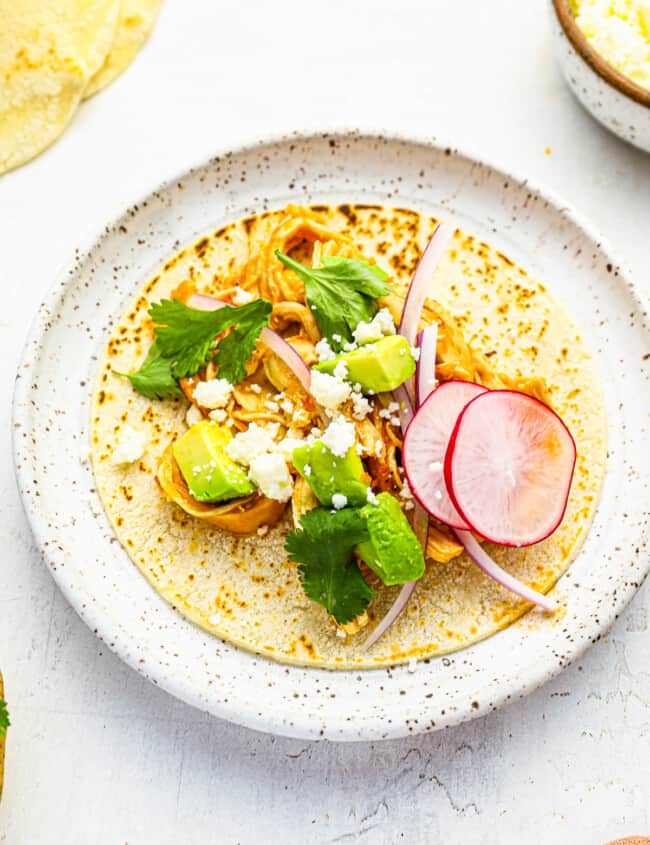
<point>243,589</point>
<point>135,22</point>
<point>48,52</point>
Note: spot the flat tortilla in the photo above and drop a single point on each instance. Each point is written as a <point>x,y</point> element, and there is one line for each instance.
<point>244,590</point>
<point>135,21</point>
<point>48,53</point>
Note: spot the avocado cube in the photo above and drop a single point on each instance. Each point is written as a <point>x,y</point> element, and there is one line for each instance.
<point>209,473</point>
<point>378,367</point>
<point>328,474</point>
<point>392,550</point>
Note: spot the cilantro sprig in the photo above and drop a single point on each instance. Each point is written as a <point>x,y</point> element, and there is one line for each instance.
<point>341,293</point>
<point>186,339</point>
<point>322,548</point>
<point>154,379</point>
<point>4,717</point>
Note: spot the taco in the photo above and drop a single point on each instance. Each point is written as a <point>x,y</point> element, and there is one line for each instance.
<point>248,445</point>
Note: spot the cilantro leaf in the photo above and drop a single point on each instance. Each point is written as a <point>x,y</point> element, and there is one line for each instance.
<point>186,339</point>
<point>4,717</point>
<point>323,550</point>
<point>154,379</point>
<point>187,335</point>
<point>341,293</point>
<point>237,347</point>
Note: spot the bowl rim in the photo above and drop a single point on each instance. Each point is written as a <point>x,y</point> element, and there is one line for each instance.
<point>594,59</point>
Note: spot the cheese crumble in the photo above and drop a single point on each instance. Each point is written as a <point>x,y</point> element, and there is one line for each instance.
<point>339,437</point>
<point>620,31</point>
<point>193,415</point>
<point>329,391</point>
<point>213,393</point>
<point>249,444</point>
<point>130,446</point>
<point>271,474</point>
<point>380,326</point>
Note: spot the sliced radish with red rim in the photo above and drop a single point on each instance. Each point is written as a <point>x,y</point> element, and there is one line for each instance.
<point>425,446</point>
<point>509,467</point>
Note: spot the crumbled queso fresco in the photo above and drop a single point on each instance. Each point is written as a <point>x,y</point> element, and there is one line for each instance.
<point>324,350</point>
<point>247,445</point>
<point>213,393</point>
<point>130,446</point>
<point>271,474</point>
<point>265,458</point>
<point>620,32</point>
<point>380,326</point>
<point>193,415</point>
<point>339,436</point>
<point>339,500</point>
<point>371,498</point>
<point>329,391</point>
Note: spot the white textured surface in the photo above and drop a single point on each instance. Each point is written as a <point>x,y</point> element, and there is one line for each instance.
<point>96,754</point>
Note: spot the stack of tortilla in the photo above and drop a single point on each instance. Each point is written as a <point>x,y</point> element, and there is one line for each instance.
<point>53,55</point>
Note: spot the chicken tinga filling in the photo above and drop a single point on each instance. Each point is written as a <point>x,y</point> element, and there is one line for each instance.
<point>317,382</point>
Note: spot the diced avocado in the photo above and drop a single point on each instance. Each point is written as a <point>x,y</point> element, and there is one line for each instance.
<point>393,550</point>
<point>209,473</point>
<point>328,474</point>
<point>379,366</point>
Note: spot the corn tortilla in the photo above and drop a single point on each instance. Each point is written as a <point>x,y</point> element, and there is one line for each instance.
<point>48,53</point>
<point>243,589</point>
<point>135,21</point>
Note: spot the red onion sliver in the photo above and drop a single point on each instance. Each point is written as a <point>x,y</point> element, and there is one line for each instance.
<point>421,285</point>
<point>205,303</point>
<point>425,373</point>
<point>483,560</point>
<point>421,282</point>
<point>406,412</point>
<point>270,338</point>
<point>289,355</point>
<point>394,611</point>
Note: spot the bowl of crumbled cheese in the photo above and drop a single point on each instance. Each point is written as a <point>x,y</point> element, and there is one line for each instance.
<point>603,47</point>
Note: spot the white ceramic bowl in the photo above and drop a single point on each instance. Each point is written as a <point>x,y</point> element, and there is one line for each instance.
<point>616,101</point>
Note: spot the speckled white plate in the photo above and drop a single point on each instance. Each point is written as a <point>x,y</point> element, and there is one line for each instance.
<point>51,410</point>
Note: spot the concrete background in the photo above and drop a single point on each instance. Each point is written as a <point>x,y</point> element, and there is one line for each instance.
<point>97,755</point>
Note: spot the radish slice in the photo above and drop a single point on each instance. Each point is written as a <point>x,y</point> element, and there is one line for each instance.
<point>425,372</point>
<point>483,560</point>
<point>270,338</point>
<point>425,445</point>
<point>509,467</point>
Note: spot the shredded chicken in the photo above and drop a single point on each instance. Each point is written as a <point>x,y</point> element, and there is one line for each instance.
<point>305,233</point>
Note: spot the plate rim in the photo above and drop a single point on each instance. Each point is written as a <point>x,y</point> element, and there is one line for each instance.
<point>346,730</point>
